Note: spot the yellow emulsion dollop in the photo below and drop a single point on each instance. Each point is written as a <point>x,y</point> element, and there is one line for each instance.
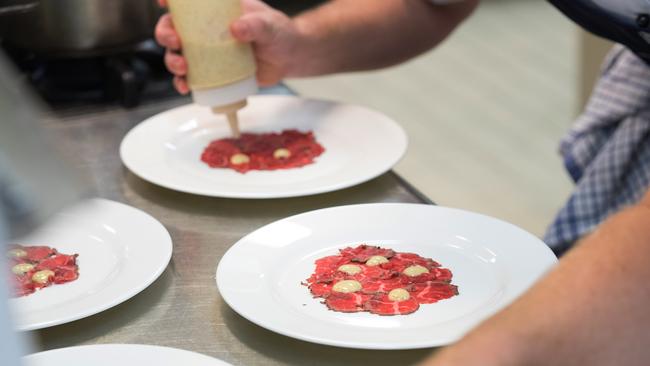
<point>376,260</point>
<point>347,286</point>
<point>414,271</point>
<point>16,253</point>
<point>282,153</point>
<point>42,276</point>
<point>239,158</point>
<point>350,269</point>
<point>22,268</point>
<point>399,294</point>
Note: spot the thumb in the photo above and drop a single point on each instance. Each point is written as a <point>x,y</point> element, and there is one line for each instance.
<point>257,27</point>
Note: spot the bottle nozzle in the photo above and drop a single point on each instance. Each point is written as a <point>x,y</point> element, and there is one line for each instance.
<point>230,111</point>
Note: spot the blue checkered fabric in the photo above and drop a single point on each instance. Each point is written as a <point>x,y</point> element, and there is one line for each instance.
<point>607,151</point>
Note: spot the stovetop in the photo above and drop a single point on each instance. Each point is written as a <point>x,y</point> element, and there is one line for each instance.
<point>124,78</point>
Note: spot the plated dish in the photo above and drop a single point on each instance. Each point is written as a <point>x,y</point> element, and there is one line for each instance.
<point>34,268</point>
<point>379,280</point>
<point>289,149</point>
<point>492,262</point>
<point>120,354</point>
<point>121,250</point>
<point>359,144</point>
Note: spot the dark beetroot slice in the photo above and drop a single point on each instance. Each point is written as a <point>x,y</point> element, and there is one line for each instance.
<point>432,291</point>
<point>382,305</point>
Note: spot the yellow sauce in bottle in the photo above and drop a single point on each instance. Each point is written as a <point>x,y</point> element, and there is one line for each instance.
<point>213,56</point>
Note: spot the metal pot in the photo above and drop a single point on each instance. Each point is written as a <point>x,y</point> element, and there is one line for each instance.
<point>82,27</point>
<point>16,6</point>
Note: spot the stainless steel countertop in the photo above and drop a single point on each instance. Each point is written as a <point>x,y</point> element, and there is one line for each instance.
<point>183,308</point>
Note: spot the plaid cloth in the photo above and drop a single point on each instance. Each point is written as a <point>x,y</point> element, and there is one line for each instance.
<point>607,151</point>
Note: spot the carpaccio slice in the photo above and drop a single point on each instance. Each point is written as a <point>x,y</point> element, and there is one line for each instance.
<point>347,302</point>
<point>363,252</point>
<point>36,267</point>
<point>266,151</point>
<point>419,281</point>
<point>432,291</point>
<point>381,304</point>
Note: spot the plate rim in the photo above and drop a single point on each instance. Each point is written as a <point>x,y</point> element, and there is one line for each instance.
<point>347,344</point>
<point>121,347</point>
<point>125,295</point>
<point>403,137</point>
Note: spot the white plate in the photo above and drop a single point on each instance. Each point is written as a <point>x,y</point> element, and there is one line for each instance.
<point>493,262</point>
<point>121,251</point>
<point>120,354</point>
<point>360,144</point>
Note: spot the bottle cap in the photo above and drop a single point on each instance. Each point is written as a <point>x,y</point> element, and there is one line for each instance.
<point>227,94</point>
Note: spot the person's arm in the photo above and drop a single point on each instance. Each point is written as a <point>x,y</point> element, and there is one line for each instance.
<point>351,35</point>
<point>339,36</point>
<point>592,309</point>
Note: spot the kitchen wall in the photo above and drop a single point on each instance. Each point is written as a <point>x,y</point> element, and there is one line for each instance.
<point>484,111</point>
<point>591,54</point>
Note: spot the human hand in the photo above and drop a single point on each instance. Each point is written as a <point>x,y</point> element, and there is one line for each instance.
<point>167,37</point>
<point>273,36</point>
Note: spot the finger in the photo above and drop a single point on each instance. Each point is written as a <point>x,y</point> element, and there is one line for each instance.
<point>166,34</point>
<point>266,77</point>
<point>264,81</point>
<point>162,3</point>
<point>254,27</point>
<point>254,5</point>
<point>180,83</point>
<point>175,63</point>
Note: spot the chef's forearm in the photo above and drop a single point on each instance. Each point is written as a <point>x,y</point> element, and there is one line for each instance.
<point>351,35</point>
<point>591,310</point>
